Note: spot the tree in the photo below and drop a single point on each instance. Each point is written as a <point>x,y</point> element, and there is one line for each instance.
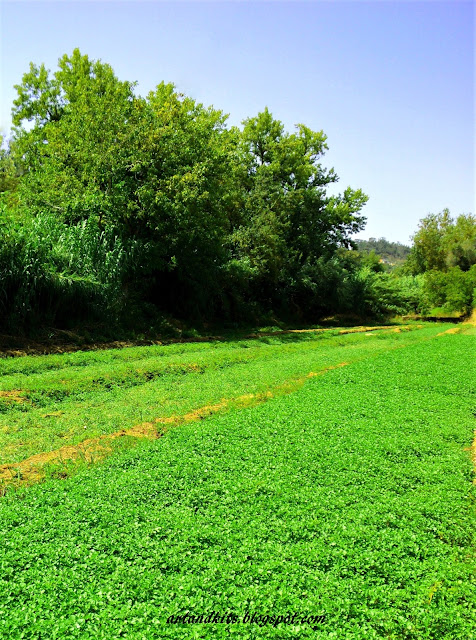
<point>286,219</point>
<point>217,213</point>
<point>181,167</point>
<point>75,155</point>
<point>459,243</point>
<point>444,250</point>
<point>442,242</point>
<point>8,169</point>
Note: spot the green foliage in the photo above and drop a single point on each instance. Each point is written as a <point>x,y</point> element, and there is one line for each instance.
<point>442,242</point>
<point>428,247</point>
<point>8,169</point>
<point>373,261</point>
<point>233,218</point>
<point>382,294</point>
<point>157,196</point>
<point>391,252</point>
<point>356,283</point>
<point>348,498</point>
<point>51,271</point>
<point>460,243</point>
<point>285,219</point>
<point>75,154</point>
<point>181,170</point>
<point>444,250</point>
<point>453,289</point>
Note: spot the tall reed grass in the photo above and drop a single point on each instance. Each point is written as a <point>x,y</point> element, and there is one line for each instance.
<point>51,272</point>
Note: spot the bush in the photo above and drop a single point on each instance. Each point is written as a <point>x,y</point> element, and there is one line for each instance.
<point>382,294</point>
<point>453,289</point>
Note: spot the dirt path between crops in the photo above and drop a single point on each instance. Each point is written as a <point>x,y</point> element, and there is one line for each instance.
<point>32,469</point>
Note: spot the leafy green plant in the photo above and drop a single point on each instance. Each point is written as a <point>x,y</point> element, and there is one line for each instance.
<point>452,289</point>
<point>347,498</point>
<point>106,391</point>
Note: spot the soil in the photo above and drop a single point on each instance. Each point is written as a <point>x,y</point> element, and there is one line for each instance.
<point>13,395</point>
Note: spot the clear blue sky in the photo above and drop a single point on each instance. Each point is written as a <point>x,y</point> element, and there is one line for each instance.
<point>390,83</point>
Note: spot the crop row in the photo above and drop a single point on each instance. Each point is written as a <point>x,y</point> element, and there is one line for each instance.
<point>43,409</point>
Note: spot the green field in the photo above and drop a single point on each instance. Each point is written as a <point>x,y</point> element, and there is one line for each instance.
<point>47,402</point>
<point>346,496</point>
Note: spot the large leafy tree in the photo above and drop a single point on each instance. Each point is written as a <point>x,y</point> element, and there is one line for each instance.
<point>287,219</point>
<point>155,167</point>
<point>180,166</point>
<point>442,242</point>
<point>74,151</point>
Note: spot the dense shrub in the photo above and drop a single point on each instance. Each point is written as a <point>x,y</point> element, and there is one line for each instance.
<point>453,289</point>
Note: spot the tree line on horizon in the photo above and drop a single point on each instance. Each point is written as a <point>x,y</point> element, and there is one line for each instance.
<point>392,253</point>
<point>121,209</point>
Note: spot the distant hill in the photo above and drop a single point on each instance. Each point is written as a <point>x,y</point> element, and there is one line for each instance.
<point>392,253</point>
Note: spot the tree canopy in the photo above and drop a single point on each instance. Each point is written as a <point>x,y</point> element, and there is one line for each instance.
<point>442,242</point>
<point>225,216</point>
<point>116,205</point>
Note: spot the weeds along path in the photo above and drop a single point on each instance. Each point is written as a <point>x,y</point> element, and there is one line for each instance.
<point>263,373</point>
